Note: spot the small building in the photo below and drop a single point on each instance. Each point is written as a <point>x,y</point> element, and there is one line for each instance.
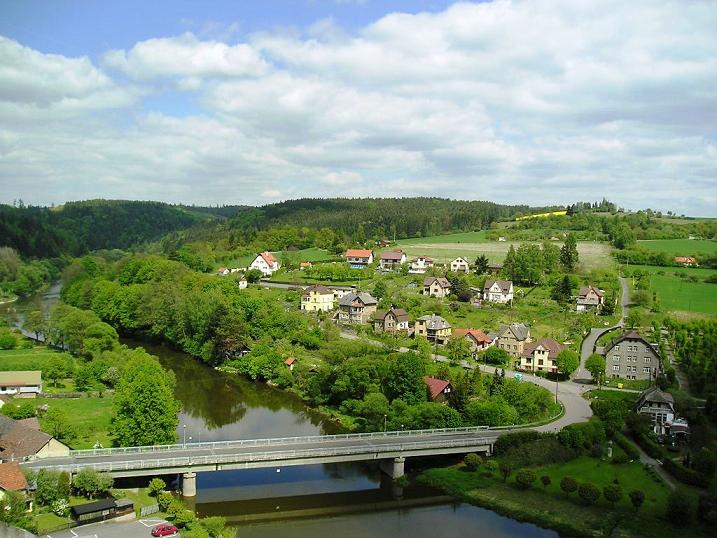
<point>630,356</point>
<point>266,263</point>
<point>590,298</point>
<point>436,286</point>
<point>356,307</point>
<point>19,441</point>
<point>477,339</point>
<point>541,356</point>
<point>495,268</point>
<point>22,384</point>
<point>460,265</point>
<point>687,261</point>
<point>12,479</point>
<point>340,291</point>
<point>242,283</point>
<point>290,362</point>
<point>393,260</point>
<point>433,328</point>
<point>420,264</point>
<point>438,389</point>
<point>660,407</point>
<point>512,338</point>
<point>101,510</point>
<point>392,321</point>
<point>501,239</point>
<point>498,291</point>
<point>358,258</point>
<point>305,265</point>
<point>223,271</point>
<point>317,298</point>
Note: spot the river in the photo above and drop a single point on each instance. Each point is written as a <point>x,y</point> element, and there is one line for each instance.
<point>350,499</point>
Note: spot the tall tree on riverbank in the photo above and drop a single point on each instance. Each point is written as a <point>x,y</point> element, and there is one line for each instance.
<point>145,410</point>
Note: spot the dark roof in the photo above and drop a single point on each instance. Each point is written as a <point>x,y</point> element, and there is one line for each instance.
<point>349,298</point>
<point>442,281</point>
<point>519,330</point>
<point>654,394</point>
<point>551,345</point>
<point>586,289</point>
<point>503,284</point>
<point>18,441</point>
<point>434,322</point>
<point>631,335</point>
<point>97,506</point>
<point>435,386</point>
<point>395,255</point>
<point>11,477</point>
<point>318,288</point>
<point>399,313</point>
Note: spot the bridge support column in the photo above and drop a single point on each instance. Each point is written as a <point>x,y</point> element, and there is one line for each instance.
<point>393,467</point>
<point>189,484</point>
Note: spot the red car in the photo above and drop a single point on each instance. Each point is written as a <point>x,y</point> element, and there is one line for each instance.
<point>164,530</point>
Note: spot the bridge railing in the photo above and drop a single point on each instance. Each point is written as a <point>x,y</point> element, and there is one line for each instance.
<point>275,441</point>
<point>189,462</point>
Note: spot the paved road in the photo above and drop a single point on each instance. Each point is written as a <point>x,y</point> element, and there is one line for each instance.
<point>110,529</point>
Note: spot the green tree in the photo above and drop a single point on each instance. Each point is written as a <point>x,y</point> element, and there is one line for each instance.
<point>569,485</point>
<point>495,355</point>
<point>156,486</point>
<point>35,323</point>
<point>91,483</point>
<point>525,478</point>
<point>47,488</point>
<point>551,257</point>
<point>13,509</point>
<point>612,493</point>
<point>100,337</point>
<point>595,364</point>
<point>405,379</point>
<point>56,369</point>
<point>588,493</point>
<point>7,340</point>
<point>472,461</point>
<point>458,349</point>
<point>637,497</point>
<point>563,290</point>
<point>83,378</point>
<point>633,319</point>
<point>480,267</point>
<point>679,510</point>
<point>622,236</point>
<point>569,257</point>
<point>505,470</point>
<point>145,410</point>
<point>379,289</point>
<point>567,362</point>
<point>545,480</point>
<point>57,423</point>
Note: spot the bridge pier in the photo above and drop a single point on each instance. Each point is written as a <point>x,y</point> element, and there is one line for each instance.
<point>189,484</point>
<point>394,467</point>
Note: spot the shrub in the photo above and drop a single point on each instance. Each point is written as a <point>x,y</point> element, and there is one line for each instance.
<point>612,493</point>
<point>511,440</point>
<point>472,461</point>
<point>525,478</point>
<point>505,471</point>
<point>704,463</point>
<point>156,486</point>
<point>589,493</point>
<point>630,449</point>
<point>491,465</point>
<point>545,480</point>
<point>679,509</point>
<point>685,475</point>
<point>620,458</point>
<point>637,497</point>
<point>568,484</point>
<point>164,500</point>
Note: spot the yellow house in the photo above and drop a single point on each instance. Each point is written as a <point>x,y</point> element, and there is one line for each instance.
<point>317,298</point>
<point>433,328</point>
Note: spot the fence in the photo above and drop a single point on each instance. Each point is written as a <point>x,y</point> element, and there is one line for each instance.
<point>147,510</point>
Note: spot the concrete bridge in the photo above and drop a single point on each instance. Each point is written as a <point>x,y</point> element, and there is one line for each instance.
<point>390,448</point>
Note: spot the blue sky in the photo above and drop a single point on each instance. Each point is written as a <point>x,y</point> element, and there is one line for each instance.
<point>530,101</point>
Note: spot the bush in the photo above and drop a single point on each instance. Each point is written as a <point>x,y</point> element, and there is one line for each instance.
<point>620,458</point>
<point>685,475</point>
<point>512,440</point>
<point>612,493</point>
<point>568,484</point>
<point>637,497</point>
<point>589,493</point>
<point>630,449</point>
<point>472,461</point>
<point>649,446</point>
<point>704,463</point>
<point>164,500</point>
<point>543,451</point>
<point>679,509</point>
<point>545,480</point>
<point>525,478</point>
<point>156,486</point>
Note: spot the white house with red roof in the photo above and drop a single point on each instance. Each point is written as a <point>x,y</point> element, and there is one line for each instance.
<point>359,258</point>
<point>266,263</point>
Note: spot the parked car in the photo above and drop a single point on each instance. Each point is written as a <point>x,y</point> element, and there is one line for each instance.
<point>164,530</point>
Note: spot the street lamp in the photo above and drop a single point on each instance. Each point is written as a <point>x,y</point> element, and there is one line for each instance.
<point>384,423</point>
<point>184,436</point>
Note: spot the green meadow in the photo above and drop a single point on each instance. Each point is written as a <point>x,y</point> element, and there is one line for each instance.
<point>681,247</point>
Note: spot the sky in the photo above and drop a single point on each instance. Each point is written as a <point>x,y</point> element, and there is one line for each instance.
<point>245,102</point>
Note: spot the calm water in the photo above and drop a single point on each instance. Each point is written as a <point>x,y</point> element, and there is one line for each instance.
<point>347,500</point>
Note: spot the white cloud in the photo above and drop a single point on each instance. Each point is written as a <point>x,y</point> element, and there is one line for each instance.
<point>518,101</point>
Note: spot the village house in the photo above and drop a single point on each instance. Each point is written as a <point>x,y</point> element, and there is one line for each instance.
<point>317,298</point>
<point>687,261</point>
<point>590,298</point>
<point>22,384</point>
<point>659,406</point>
<point>630,356</point>
<point>356,307</point>
<point>266,263</point>
<point>511,338</point>
<point>391,261</point>
<point>340,291</point>
<point>20,439</point>
<point>438,389</point>
<point>358,258</point>
<point>477,339</point>
<point>498,291</point>
<point>12,479</point>
<point>223,271</point>
<point>393,321</point>
<point>433,328</point>
<point>495,268</point>
<point>290,362</point>
<point>305,265</point>
<point>541,356</point>
<point>436,286</point>
<point>460,265</point>
<point>420,264</point>
<point>242,283</point>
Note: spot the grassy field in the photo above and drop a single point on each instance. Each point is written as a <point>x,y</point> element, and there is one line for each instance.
<point>676,291</point>
<point>28,359</point>
<point>305,255</point>
<point>681,247</point>
<point>89,416</point>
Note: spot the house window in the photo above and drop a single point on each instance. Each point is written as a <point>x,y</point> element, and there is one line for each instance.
<point>645,369</point>
<point>617,347</point>
<point>616,358</point>
<point>616,368</point>
<point>647,360</point>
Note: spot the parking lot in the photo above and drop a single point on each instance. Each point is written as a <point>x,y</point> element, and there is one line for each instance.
<point>111,529</point>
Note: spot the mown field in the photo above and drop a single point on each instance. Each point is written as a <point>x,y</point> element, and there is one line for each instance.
<point>305,255</point>
<point>677,291</point>
<point>35,358</point>
<point>89,417</point>
<point>681,247</point>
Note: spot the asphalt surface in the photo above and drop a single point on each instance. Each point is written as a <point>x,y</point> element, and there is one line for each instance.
<point>111,529</point>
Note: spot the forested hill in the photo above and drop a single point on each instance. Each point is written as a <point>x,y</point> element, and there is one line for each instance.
<point>78,227</point>
<point>378,217</point>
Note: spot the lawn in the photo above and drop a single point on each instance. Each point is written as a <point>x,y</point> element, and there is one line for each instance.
<point>29,359</point>
<point>89,416</point>
<point>305,255</point>
<point>681,294</point>
<point>681,247</point>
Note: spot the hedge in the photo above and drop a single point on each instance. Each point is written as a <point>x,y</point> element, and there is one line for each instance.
<point>685,475</point>
<point>651,447</point>
<point>630,449</point>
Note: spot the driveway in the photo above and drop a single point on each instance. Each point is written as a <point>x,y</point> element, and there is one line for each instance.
<point>110,529</point>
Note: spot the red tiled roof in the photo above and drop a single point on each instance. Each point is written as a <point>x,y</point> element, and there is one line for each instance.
<point>435,386</point>
<point>478,335</point>
<point>305,264</point>
<point>358,253</point>
<point>290,361</point>
<point>551,345</point>
<point>268,258</point>
<point>685,259</point>
<point>11,477</point>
